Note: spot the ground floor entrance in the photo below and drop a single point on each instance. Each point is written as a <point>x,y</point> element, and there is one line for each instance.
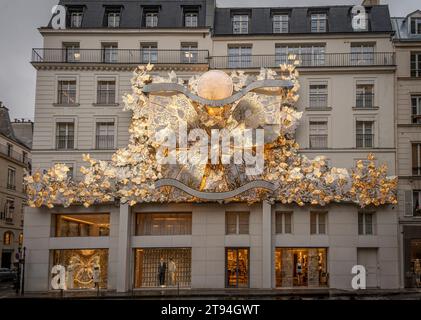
<point>412,256</point>
<point>237,267</point>
<point>6,259</point>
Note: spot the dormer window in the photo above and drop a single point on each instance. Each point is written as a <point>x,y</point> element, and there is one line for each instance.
<point>318,22</point>
<point>280,23</point>
<point>191,19</point>
<point>150,17</point>
<point>76,19</point>
<point>113,17</point>
<point>416,25</point>
<point>240,24</point>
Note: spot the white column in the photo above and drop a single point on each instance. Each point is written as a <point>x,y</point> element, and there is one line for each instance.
<point>267,245</point>
<point>123,264</point>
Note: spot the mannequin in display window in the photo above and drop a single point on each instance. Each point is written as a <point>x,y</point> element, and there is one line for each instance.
<point>96,274</point>
<point>417,271</point>
<point>162,268</point>
<point>299,272</point>
<point>172,268</point>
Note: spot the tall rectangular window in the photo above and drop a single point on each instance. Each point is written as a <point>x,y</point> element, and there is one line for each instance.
<point>283,222</point>
<point>109,52</point>
<point>106,92</point>
<point>105,135</point>
<point>365,223</point>
<point>416,109</point>
<point>416,203</point>
<point>318,222</point>
<point>280,23</point>
<point>415,64</point>
<point>365,134</point>
<point>9,208</point>
<point>191,19</point>
<point>163,224</point>
<point>71,52</point>
<point>416,26</point>
<point>318,22</point>
<point>67,92</point>
<point>151,19</point>
<point>189,52</point>
<point>362,54</point>
<point>318,134</point>
<point>65,135</point>
<point>76,18</point>
<point>9,150</point>
<point>239,56</point>
<point>82,225</point>
<point>240,24</point>
<point>113,18</point>
<point>149,52</point>
<point>318,96</point>
<point>364,96</point>
<point>11,178</point>
<point>237,222</point>
<point>307,55</point>
<point>416,159</point>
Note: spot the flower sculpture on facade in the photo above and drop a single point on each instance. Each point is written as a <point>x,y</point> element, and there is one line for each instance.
<point>174,121</point>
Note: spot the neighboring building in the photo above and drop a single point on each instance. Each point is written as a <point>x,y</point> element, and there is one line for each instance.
<point>15,158</point>
<point>347,80</point>
<point>24,131</point>
<point>407,43</point>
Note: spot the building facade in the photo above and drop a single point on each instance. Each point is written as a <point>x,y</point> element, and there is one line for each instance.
<point>15,158</point>
<point>407,43</point>
<point>347,95</point>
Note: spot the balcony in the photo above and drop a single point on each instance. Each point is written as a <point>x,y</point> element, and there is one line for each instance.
<point>318,60</point>
<point>14,155</point>
<point>120,56</point>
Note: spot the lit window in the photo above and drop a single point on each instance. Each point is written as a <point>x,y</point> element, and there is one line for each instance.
<point>20,239</point>
<point>82,225</point>
<point>189,52</point>
<point>71,52</point>
<point>155,224</point>
<point>7,238</point>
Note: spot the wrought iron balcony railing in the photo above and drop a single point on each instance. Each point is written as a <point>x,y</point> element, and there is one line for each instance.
<point>14,155</point>
<point>104,142</point>
<point>365,140</point>
<point>65,142</point>
<point>120,56</point>
<point>365,100</point>
<point>306,60</point>
<point>318,141</point>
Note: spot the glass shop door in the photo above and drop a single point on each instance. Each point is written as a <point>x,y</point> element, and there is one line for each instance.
<point>237,267</point>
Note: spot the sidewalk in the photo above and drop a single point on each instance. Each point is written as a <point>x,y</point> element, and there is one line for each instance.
<point>223,294</point>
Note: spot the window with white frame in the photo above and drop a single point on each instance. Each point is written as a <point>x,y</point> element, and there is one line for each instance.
<point>237,222</point>
<point>415,64</point>
<point>283,222</point>
<point>416,109</point>
<point>280,23</point>
<point>318,134</point>
<point>240,24</point>
<point>364,95</point>
<point>362,54</point>
<point>76,17</point>
<point>151,19</point>
<point>318,222</point>
<point>365,134</point>
<point>307,55</point>
<point>318,96</point>
<point>105,133</point>
<point>318,22</point>
<point>66,92</point>
<point>11,178</point>
<point>416,25</point>
<point>106,92</point>
<point>110,52</point>
<point>65,132</point>
<point>366,222</point>
<point>10,208</point>
<point>416,159</point>
<point>191,19</point>
<point>239,56</point>
<point>71,52</point>
<point>113,18</point>
<point>189,52</point>
<point>416,201</point>
<point>149,52</point>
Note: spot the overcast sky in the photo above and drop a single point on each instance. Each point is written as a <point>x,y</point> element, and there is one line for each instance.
<point>19,20</point>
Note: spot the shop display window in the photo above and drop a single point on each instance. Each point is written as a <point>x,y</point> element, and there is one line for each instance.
<point>163,224</point>
<point>80,265</point>
<point>82,225</point>
<point>237,267</point>
<point>162,267</point>
<point>301,267</point>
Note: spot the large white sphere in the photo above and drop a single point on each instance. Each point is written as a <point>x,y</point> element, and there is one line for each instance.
<point>215,85</point>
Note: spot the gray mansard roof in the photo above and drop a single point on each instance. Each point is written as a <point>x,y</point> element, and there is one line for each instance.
<point>170,15</point>
<point>401,26</point>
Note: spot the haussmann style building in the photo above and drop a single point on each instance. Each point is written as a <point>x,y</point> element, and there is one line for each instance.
<point>347,97</point>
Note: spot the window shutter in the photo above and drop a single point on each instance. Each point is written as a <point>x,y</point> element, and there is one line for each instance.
<point>408,202</point>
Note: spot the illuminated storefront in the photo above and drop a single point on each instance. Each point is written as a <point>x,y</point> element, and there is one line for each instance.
<point>237,267</point>
<point>301,267</point>
<point>80,264</point>
<point>167,267</point>
<point>82,225</point>
<point>412,255</point>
